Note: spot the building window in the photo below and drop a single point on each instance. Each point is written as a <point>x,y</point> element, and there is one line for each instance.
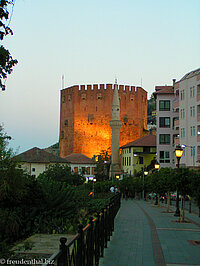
<point>83,96</point>
<point>63,98</point>
<point>83,170</point>
<point>62,134</point>
<point>194,133</point>
<point>75,169</point>
<point>66,122</point>
<point>146,149</point>
<point>129,161</point>
<point>182,132</point>
<point>141,160</point>
<point>182,95</point>
<point>164,157</point>
<point>164,122</point>
<point>164,105</point>
<point>192,151</point>
<point>33,169</point>
<point>99,96</point>
<point>193,109</point>
<point>182,113</point>
<point>191,90</point>
<point>164,138</point>
<point>191,131</point>
<point>88,170</point>
<point>90,118</point>
<point>93,169</point>
<point>129,149</point>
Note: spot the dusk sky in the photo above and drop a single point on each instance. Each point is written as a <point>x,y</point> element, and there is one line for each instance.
<point>89,42</point>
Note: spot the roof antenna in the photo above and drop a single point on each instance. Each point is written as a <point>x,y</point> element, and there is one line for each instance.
<point>63,81</point>
<point>115,79</point>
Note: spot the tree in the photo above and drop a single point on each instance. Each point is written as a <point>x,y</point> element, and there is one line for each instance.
<point>62,173</point>
<point>166,179</point>
<point>6,61</point>
<point>183,180</point>
<point>102,164</point>
<point>195,187</point>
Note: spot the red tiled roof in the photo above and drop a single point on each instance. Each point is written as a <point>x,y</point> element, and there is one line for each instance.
<point>146,141</point>
<point>79,158</point>
<point>164,90</point>
<point>36,155</point>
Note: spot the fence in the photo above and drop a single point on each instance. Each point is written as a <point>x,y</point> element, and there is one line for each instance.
<point>87,246</point>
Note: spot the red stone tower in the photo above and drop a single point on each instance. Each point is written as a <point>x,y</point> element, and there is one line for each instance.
<point>86,111</point>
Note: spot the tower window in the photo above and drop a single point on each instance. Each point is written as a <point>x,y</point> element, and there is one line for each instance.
<point>83,96</point>
<point>66,122</point>
<point>99,96</point>
<point>63,98</point>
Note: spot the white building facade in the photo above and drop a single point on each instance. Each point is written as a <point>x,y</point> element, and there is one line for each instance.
<point>187,93</point>
<point>166,130</point>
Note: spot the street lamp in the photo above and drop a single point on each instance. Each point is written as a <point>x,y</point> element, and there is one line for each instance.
<point>179,153</point>
<point>94,180</point>
<point>144,173</point>
<point>157,166</point>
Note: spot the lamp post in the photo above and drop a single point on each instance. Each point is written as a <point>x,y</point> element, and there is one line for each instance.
<point>156,166</point>
<point>193,155</point>
<point>179,153</point>
<point>94,180</point>
<point>144,173</point>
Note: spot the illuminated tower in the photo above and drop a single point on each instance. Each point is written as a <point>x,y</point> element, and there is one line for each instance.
<point>115,125</point>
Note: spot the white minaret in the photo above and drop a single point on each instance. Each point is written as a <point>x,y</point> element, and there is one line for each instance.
<point>115,124</point>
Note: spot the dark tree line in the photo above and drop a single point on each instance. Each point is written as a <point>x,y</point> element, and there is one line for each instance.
<point>6,61</point>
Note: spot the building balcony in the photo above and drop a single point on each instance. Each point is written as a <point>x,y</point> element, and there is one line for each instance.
<point>198,117</point>
<point>176,123</point>
<point>176,104</point>
<point>176,141</point>
<point>198,138</point>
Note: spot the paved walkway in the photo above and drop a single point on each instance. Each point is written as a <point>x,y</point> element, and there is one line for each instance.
<point>147,235</point>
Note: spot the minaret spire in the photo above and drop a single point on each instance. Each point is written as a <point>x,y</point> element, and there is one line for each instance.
<point>115,124</point>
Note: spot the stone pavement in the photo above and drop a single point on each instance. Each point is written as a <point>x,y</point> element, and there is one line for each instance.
<point>40,245</point>
<point>147,235</point>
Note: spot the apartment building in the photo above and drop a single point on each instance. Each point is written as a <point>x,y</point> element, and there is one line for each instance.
<point>187,105</point>
<point>166,125</point>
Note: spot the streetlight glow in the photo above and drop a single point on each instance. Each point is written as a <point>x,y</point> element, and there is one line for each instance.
<point>157,165</point>
<point>179,151</point>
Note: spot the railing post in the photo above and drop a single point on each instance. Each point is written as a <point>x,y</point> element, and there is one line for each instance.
<point>80,247</point>
<point>62,260</point>
<point>90,244</point>
<point>102,232</point>
<point>97,240</point>
<point>111,216</point>
<point>105,227</point>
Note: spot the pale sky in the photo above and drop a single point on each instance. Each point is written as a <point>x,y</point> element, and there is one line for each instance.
<point>90,41</point>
